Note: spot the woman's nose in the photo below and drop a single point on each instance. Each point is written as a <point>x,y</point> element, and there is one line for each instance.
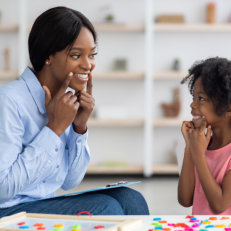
<point>86,64</point>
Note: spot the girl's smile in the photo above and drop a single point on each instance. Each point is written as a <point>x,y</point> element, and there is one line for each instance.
<point>197,119</point>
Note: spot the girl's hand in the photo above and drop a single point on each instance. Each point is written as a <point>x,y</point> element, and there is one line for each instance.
<point>87,103</point>
<point>185,128</point>
<point>199,141</point>
<point>62,108</point>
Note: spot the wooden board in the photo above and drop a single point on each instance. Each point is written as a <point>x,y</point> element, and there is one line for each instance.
<point>50,221</point>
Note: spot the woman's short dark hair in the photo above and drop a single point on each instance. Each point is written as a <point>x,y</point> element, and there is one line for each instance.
<point>215,74</point>
<point>53,31</point>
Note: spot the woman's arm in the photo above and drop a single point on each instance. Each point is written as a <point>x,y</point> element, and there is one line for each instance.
<point>22,164</point>
<point>78,155</point>
<point>77,148</point>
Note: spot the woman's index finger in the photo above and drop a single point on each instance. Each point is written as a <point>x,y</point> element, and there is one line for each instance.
<point>89,84</point>
<point>64,86</point>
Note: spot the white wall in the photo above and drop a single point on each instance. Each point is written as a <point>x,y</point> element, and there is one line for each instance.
<point>127,97</point>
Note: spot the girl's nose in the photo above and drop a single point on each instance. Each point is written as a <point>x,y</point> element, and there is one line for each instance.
<point>193,104</point>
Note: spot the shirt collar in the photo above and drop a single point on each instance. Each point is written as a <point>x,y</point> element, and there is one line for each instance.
<point>35,88</point>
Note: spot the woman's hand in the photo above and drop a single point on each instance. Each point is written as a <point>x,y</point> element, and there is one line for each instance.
<point>62,108</point>
<point>87,103</point>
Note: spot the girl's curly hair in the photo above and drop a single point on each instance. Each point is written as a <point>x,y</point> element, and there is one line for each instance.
<point>215,74</point>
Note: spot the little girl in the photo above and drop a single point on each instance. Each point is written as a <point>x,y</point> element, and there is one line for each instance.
<point>205,178</point>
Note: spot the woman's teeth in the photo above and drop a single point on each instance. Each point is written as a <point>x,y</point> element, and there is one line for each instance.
<point>197,117</point>
<point>82,76</point>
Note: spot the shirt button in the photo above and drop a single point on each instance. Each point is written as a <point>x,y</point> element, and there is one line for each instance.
<point>56,149</point>
<point>57,166</point>
<point>44,181</point>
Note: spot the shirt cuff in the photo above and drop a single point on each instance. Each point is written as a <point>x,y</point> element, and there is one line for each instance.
<point>48,140</point>
<point>76,137</point>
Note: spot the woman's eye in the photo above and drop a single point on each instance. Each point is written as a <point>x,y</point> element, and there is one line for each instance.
<point>75,56</point>
<point>93,55</point>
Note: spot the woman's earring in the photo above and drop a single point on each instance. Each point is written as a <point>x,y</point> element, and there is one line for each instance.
<point>48,62</point>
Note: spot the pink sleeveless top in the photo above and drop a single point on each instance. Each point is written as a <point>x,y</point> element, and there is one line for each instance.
<point>219,162</point>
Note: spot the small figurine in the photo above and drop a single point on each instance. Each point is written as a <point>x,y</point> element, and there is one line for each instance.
<point>176,65</point>
<point>120,64</point>
<point>6,64</point>
<point>107,13</point>
<point>109,18</point>
<point>211,12</point>
<point>172,109</point>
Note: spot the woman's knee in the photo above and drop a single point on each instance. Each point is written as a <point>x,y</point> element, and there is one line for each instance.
<point>131,201</point>
<point>106,205</point>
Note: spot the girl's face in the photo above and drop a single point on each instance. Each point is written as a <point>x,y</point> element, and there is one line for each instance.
<point>202,107</point>
<point>79,59</point>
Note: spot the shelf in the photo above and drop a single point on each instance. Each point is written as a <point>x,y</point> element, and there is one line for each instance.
<point>161,122</point>
<point>115,123</point>
<point>167,122</point>
<point>171,169</point>
<point>8,27</point>
<point>114,27</point>
<point>202,27</point>
<point>118,75</point>
<point>126,169</point>
<point>164,75</point>
<point>168,75</point>
<point>8,75</point>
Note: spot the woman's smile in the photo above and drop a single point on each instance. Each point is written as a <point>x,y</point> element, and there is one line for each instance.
<point>81,77</point>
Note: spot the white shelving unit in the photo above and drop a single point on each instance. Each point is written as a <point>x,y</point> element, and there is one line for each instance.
<point>17,30</point>
<point>188,42</point>
<point>202,27</point>
<point>137,140</point>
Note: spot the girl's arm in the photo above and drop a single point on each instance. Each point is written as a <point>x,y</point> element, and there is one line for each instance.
<point>218,196</point>
<point>186,182</point>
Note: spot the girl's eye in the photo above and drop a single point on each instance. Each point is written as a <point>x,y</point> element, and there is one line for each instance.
<point>75,56</point>
<point>200,98</point>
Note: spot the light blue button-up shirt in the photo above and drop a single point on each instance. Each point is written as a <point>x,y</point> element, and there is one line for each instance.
<point>34,161</point>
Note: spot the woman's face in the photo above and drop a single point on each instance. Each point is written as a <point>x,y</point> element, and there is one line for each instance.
<point>79,59</point>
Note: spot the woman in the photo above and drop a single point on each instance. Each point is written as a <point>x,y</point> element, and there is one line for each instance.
<point>43,129</point>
